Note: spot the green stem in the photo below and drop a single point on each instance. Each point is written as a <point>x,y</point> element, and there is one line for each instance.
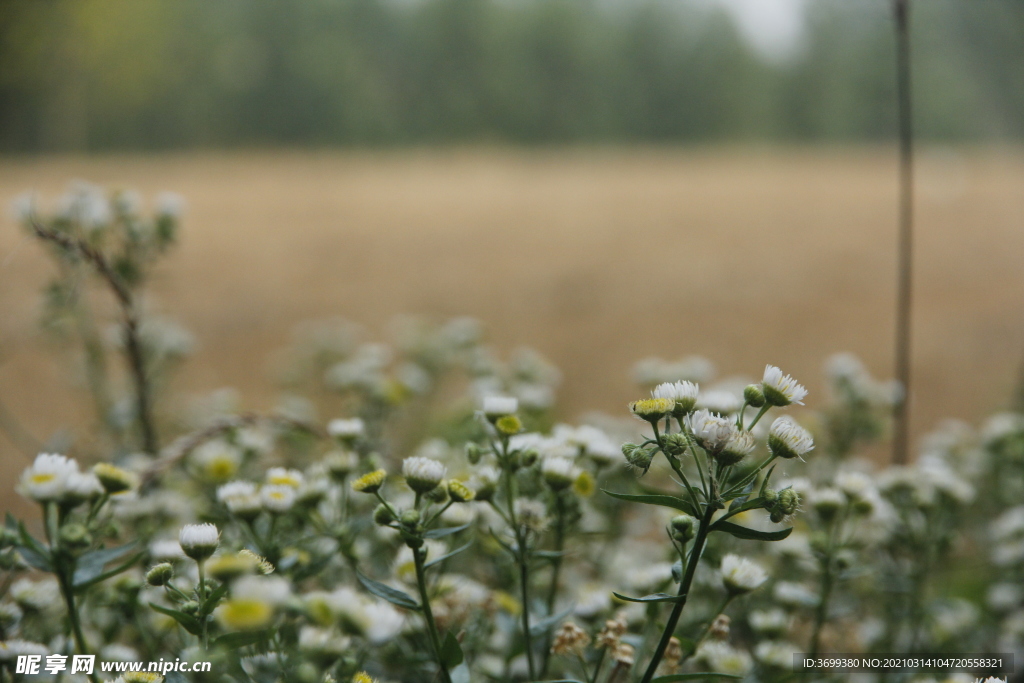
<point>428,614</point>
<point>202,597</point>
<point>556,569</point>
<point>684,589</point>
<point>764,409</point>
<point>67,590</point>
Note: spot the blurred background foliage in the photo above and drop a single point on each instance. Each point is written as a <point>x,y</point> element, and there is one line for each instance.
<point>80,75</point>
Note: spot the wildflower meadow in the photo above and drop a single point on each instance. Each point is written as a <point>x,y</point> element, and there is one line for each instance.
<point>412,510</point>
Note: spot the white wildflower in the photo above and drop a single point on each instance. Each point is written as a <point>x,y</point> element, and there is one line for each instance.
<point>279,476</point>
<point>711,431</point>
<point>423,474</point>
<point>787,439</point>
<point>277,497</point>
<point>497,406</point>
<point>741,575</point>
<point>780,389</point>
<point>198,541</point>
<point>47,478</point>
<point>346,429</point>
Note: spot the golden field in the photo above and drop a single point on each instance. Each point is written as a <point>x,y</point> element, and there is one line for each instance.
<point>595,257</point>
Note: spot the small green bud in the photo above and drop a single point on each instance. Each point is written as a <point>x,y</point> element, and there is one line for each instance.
<point>474,452</point>
<point>638,456</point>
<point>459,492</point>
<point>789,501</point>
<point>75,536</point>
<point>410,518</point>
<point>190,607</point>
<point>776,516</point>
<point>684,527</point>
<point>674,444</point>
<point>160,574</point>
<point>383,515</point>
<point>529,457</point>
<point>771,498</point>
<point>438,495</point>
<point>753,395</point>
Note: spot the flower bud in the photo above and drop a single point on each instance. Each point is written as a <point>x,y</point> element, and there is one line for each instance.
<point>410,518</point>
<point>422,474</point>
<point>190,607</point>
<point>75,536</point>
<point>674,444</point>
<point>638,456</point>
<point>474,452</point>
<point>789,501</point>
<point>753,395</point>
<point>198,541</point>
<point>438,495</point>
<point>684,527</point>
<point>739,446</point>
<point>160,574</point>
<point>559,473</point>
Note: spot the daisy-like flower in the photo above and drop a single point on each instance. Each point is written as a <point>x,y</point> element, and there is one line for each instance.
<point>559,473</point>
<point>652,409</point>
<point>780,389</point>
<point>279,476</point>
<point>363,677</point>
<point>277,498</point>
<point>739,446</point>
<point>494,407</point>
<point>46,480</point>
<point>459,492</point>
<point>10,650</point>
<point>683,393</point>
<point>263,565</point>
<point>348,430</point>
<point>80,487</point>
<point>198,541</point>
<point>217,460</point>
<point>787,439</point>
<point>166,549</point>
<point>712,431</point>
<point>240,498</point>
<point>370,482</point>
<point>423,474</point>
<point>741,575</point>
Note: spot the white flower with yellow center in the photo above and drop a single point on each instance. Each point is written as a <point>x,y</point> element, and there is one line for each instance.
<point>279,476</point>
<point>240,498</point>
<point>423,474</point>
<point>217,460</point>
<point>711,431</point>
<point>47,478</point>
<point>780,389</point>
<point>277,497</point>
<point>741,575</point>
<point>787,439</point>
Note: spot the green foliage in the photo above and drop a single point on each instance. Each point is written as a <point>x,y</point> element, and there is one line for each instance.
<point>101,74</point>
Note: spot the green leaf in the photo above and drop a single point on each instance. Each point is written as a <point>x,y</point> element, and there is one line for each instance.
<point>550,554</point>
<point>79,587</point>
<point>232,641</point>
<point>451,651</point>
<point>754,504</point>
<point>750,534</point>
<point>392,595</point>
<point>36,559</point>
<point>656,499</point>
<point>188,622</point>
<point>453,553</point>
<point>692,677</point>
<point>90,565</point>
<point>548,623</point>
<point>654,597</point>
<point>444,531</point>
<point>213,598</point>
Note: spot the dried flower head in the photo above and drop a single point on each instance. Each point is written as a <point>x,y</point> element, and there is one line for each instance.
<point>570,639</point>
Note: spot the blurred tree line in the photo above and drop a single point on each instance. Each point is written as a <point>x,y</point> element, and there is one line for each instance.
<point>112,74</point>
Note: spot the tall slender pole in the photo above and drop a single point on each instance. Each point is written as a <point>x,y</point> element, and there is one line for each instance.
<point>906,221</point>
